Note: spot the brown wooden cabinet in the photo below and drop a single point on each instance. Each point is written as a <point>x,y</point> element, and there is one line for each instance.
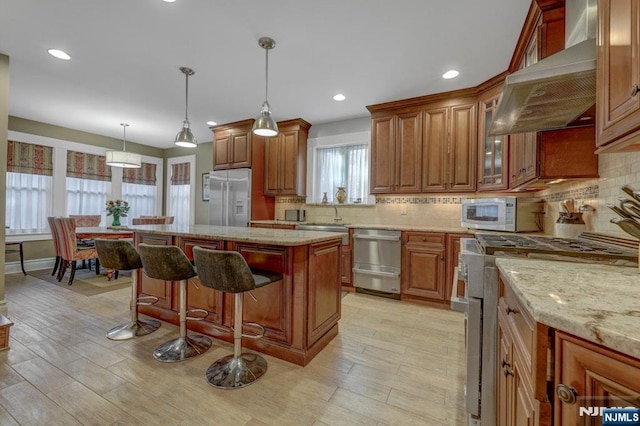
<point>449,147</point>
<point>423,261</point>
<point>232,144</point>
<point>521,369</point>
<point>552,156</point>
<point>286,159</point>
<point>346,261</point>
<point>493,152</point>
<point>595,376</point>
<point>396,149</point>
<point>618,76</point>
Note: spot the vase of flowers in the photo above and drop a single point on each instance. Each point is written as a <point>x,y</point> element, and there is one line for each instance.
<point>117,209</point>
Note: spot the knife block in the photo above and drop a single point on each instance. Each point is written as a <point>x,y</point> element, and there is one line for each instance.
<point>569,225</point>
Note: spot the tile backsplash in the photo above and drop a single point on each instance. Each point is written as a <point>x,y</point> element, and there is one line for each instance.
<point>444,210</point>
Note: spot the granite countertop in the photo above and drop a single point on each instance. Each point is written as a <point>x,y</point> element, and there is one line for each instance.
<point>282,237</point>
<point>423,228</point>
<point>596,302</point>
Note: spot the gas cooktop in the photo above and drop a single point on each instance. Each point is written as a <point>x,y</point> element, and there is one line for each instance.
<point>586,245</point>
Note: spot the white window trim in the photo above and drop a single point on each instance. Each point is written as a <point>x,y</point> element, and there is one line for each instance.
<point>60,148</point>
<point>191,159</point>
<point>355,138</point>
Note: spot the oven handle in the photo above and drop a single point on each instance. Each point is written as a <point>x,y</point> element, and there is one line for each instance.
<point>376,237</point>
<point>382,274</point>
<point>459,304</point>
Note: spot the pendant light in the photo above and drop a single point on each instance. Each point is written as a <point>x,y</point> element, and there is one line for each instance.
<point>265,125</point>
<point>124,159</point>
<point>184,137</point>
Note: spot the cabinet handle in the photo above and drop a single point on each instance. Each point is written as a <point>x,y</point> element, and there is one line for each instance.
<point>505,364</point>
<point>511,311</point>
<point>507,372</point>
<point>566,394</point>
<point>634,90</point>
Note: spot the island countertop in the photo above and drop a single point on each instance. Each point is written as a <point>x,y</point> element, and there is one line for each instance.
<point>596,302</point>
<point>283,237</point>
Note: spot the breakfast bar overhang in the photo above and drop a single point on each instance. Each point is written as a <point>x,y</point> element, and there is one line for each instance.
<point>300,313</point>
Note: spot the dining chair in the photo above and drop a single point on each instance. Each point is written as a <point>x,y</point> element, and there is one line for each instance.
<point>167,219</point>
<point>56,245</point>
<point>148,221</point>
<point>69,251</point>
<point>86,219</point>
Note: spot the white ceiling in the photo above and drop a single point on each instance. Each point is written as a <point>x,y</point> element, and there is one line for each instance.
<point>126,55</point>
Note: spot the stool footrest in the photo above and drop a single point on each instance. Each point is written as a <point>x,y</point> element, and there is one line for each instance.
<point>256,325</point>
<point>200,311</point>
<point>147,300</point>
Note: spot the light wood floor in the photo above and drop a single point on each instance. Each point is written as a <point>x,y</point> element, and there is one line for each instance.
<point>393,363</point>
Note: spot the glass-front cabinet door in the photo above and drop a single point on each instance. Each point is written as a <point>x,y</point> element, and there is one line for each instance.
<point>492,150</point>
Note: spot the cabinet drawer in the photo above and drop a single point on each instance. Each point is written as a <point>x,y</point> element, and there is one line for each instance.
<point>522,324</point>
<point>427,238</point>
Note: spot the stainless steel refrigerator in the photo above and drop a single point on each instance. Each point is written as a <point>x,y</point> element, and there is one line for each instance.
<point>230,197</point>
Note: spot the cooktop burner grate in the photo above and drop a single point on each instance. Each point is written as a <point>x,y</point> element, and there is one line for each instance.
<point>587,245</point>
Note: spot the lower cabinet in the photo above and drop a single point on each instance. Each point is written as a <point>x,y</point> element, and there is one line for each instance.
<point>345,265</point>
<point>423,272</point>
<point>521,392</point>
<point>589,376</point>
<point>453,251</point>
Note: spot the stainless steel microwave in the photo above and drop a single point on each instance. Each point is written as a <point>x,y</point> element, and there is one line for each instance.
<point>510,214</point>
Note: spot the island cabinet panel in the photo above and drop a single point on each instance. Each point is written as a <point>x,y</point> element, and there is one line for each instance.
<point>200,296</point>
<point>163,290</point>
<point>272,307</point>
<point>324,300</point>
<point>596,376</point>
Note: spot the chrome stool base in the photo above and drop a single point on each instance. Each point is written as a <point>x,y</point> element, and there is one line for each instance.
<point>182,348</point>
<point>233,372</point>
<point>133,329</point>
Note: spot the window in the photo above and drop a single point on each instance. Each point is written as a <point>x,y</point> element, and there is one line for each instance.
<point>140,191</point>
<point>28,186</point>
<point>88,183</point>
<point>340,161</point>
<point>180,192</point>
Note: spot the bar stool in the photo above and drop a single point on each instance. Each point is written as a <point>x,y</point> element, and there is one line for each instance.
<point>169,263</point>
<point>121,255</point>
<point>227,271</point>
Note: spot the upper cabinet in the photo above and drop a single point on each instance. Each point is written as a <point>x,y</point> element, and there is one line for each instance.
<point>618,76</point>
<point>493,153</point>
<point>425,144</point>
<point>449,146</point>
<point>232,145</point>
<point>396,149</point>
<point>285,159</point>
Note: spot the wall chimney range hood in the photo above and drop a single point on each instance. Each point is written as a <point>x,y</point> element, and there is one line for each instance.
<point>557,90</point>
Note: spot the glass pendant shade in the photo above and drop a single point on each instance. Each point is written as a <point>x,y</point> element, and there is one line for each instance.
<point>265,125</point>
<point>185,138</point>
<point>124,159</point>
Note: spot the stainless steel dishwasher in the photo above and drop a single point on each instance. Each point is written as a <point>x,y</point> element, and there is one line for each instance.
<point>376,260</point>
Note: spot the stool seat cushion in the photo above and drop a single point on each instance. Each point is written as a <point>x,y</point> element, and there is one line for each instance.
<point>227,271</point>
<point>167,263</point>
<point>117,254</point>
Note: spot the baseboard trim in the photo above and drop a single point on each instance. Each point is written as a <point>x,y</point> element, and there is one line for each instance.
<point>29,265</point>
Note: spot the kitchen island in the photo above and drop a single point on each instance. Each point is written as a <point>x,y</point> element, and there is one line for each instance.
<point>300,313</point>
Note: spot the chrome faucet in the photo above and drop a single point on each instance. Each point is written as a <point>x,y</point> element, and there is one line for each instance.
<point>336,216</point>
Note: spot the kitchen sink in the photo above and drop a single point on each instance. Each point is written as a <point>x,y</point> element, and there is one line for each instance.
<point>326,227</point>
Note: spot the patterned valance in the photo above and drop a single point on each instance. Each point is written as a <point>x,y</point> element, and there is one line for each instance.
<point>180,174</point>
<point>145,175</point>
<point>29,158</point>
<point>87,166</point>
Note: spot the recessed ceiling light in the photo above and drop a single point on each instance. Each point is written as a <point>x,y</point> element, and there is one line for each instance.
<point>339,97</point>
<point>168,1</point>
<point>450,74</point>
<point>210,123</point>
<point>59,54</point>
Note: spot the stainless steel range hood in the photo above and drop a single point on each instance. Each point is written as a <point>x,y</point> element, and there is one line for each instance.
<point>557,90</point>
